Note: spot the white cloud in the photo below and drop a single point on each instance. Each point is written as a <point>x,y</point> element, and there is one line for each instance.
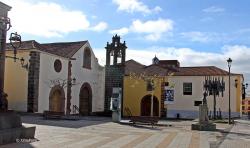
<point>46,19</point>
<point>152,29</point>
<point>213,9</point>
<point>196,36</point>
<point>100,27</point>
<point>122,31</point>
<point>207,19</point>
<point>204,37</point>
<point>132,6</point>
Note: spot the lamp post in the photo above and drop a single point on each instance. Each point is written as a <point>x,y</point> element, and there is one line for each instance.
<point>15,41</point>
<point>229,62</point>
<point>4,27</point>
<point>244,87</point>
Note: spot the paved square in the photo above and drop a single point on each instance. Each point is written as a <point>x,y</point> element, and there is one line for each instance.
<point>93,132</point>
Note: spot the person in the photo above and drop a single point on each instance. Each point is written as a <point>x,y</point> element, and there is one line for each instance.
<point>4,102</point>
<point>204,98</point>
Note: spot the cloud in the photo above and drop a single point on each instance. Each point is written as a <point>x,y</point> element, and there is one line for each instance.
<point>152,29</point>
<point>122,31</point>
<point>207,19</point>
<point>46,19</point>
<point>100,27</point>
<point>213,9</point>
<point>204,37</point>
<point>132,6</point>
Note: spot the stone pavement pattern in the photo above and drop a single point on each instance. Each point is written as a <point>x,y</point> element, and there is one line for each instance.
<point>239,136</point>
<point>105,134</point>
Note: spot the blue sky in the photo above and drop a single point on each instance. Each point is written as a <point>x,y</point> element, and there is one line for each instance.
<point>196,32</point>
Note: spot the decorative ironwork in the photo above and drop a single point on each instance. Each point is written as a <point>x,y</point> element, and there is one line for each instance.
<point>5,23</point>
<point>244,87</point>
<point>214,86</point>
<point>15,42</point>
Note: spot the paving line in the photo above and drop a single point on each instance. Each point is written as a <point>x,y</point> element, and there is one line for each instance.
<point>195,140</point>
<point>120,142</point>
<point>138,140</point>
<point>152,141</point>
<point>165,143</point>
<point>111,137</point>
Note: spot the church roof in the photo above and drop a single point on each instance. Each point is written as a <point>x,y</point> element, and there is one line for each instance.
<point>63,49</point>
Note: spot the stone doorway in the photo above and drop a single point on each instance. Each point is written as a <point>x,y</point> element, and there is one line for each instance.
<point>85,99</point>
<point>146,106</point>
<point>57,99</point>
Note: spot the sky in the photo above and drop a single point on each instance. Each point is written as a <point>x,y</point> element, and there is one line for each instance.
<point>195,32</point>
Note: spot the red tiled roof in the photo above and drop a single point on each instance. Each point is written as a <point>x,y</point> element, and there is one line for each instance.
<point>200,71</point>
<point>135,67</point>
<point>63,49</point>
<point>132,66</point>
<point>175,63</point>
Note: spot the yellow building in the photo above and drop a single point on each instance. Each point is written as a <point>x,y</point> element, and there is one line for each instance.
<point>186,84</point>
<point>137,93</point>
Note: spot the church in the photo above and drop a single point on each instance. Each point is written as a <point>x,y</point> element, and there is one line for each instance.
<point>61,77</point>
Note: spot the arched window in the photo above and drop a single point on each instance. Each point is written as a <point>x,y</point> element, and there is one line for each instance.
<point>87,58</point>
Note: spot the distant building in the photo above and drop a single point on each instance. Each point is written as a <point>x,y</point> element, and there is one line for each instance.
<point>56,77</point>
<point>182,85</point>
<point>246,106</point>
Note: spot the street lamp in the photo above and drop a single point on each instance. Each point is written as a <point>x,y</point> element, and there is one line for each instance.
<point>229,62</point>
<point>244,87</point>
<point>15,42</point>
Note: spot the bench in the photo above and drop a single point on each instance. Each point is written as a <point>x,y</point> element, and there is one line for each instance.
<point>52,115</point>
<point>144,120</point>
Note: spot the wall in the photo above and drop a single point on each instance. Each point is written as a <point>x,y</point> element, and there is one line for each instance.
<point>94,76</point>
<point>16,81</point>
<point>184,104</point>
<point>47,73</point>
<point>134,91</point>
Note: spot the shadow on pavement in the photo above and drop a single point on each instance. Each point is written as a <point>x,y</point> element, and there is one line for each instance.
<point>83,122</point>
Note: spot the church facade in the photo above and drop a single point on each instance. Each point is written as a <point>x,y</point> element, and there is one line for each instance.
<point>62,77</point>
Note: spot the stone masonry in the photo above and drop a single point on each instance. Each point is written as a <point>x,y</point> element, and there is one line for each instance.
<point>33,81</point>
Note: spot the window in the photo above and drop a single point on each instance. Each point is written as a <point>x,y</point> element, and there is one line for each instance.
<point>243,107</point>
<point>87,58</point>
<point>187,88</point>
<point>57,65</point>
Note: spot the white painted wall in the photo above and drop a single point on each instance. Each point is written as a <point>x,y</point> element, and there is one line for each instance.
<point>184,104</point>
<point>47,73</point>
<point>94,76</point>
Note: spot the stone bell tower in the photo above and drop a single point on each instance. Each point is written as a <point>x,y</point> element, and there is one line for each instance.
<point>115,67</point>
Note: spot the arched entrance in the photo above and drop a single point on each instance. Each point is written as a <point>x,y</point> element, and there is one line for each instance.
<point>85,99</point>
<point>146,106</point>
<point>57,99</point>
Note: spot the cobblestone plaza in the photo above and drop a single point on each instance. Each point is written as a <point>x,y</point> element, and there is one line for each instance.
<point>101,132</point>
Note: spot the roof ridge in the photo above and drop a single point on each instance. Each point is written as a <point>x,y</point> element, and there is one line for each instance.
<point>135,62</point>
<point>64,42</point>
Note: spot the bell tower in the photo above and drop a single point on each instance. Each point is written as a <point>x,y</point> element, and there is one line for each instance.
<point>114,68</point>
<point>115,50</point>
